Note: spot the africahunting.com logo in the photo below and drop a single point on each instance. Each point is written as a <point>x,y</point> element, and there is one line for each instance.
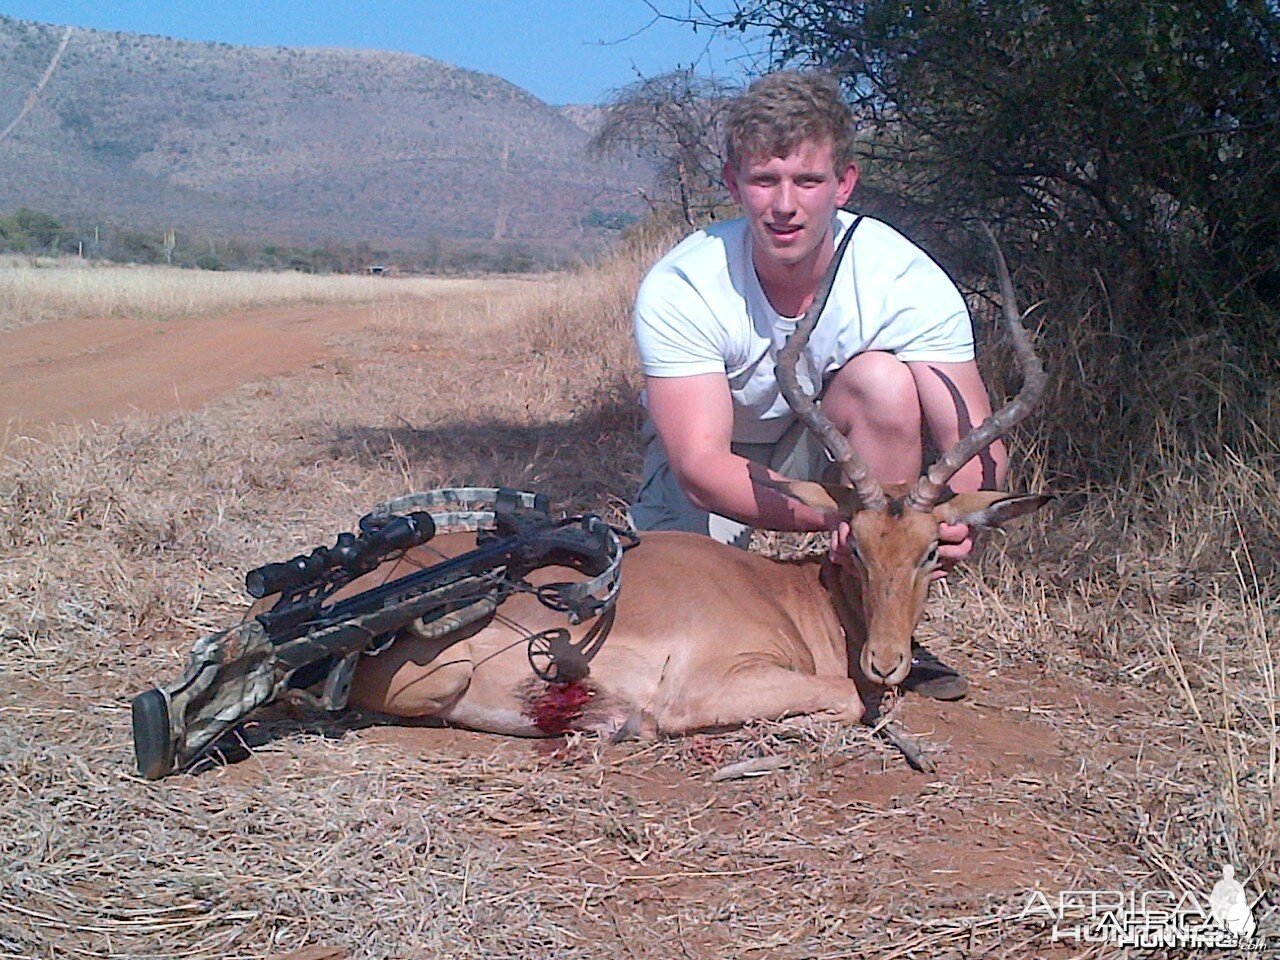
<point>1225,918</point>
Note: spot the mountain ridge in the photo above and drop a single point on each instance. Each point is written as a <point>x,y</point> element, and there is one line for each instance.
<point>302,144</point>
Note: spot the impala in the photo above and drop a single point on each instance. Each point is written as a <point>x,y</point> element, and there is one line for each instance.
<point>706,636</point>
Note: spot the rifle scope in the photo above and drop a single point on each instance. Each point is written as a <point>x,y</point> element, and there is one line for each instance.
<point>350,554</point>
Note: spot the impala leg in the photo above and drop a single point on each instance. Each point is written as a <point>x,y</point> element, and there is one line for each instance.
<point>413,678</point>
<point>762,693</point>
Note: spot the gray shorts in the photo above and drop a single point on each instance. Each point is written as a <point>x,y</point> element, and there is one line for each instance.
<point>661,504</point>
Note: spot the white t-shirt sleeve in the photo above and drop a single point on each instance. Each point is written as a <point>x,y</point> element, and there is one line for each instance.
<point>927,314</point>
<point>676,332</point>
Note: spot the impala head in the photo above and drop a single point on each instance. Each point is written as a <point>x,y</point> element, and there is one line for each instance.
<point>894,528</point>
<point>895,553</point>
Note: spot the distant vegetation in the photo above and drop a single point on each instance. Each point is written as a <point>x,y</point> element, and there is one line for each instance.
<point>673,121</point>
<point>31,231</point>
<point>37,233</point>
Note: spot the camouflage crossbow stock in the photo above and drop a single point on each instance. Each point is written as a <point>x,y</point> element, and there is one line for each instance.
<point>307,639</point>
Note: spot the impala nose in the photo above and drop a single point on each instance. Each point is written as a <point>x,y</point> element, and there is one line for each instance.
<point>887,670</point>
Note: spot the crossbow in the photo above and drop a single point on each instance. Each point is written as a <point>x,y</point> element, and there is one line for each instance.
<point>312,636</point>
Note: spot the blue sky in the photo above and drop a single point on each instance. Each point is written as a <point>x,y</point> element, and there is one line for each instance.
<point>563,51</point>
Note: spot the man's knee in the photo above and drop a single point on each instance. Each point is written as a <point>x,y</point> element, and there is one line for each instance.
<point>877,389</point>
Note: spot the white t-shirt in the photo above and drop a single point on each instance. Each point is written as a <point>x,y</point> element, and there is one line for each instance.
<point>701,310</point>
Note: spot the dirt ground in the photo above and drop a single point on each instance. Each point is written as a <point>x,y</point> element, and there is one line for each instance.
<point>95,369</point>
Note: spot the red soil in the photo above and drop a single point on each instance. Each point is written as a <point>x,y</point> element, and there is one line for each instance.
<point>95,369</point>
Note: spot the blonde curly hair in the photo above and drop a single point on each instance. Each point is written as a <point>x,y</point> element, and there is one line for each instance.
<point>780,110</point>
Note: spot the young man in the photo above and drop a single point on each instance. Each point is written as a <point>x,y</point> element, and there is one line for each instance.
<point>891,355</point>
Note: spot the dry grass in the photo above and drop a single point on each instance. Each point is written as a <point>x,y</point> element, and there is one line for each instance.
<point>1122,733</point>
<point>37,290</point>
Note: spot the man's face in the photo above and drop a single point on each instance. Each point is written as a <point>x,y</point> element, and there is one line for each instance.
<point>789,201</point>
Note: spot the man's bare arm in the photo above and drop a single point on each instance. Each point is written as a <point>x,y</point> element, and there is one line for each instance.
<point>694,418</point>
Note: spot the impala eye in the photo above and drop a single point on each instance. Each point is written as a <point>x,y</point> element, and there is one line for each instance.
<point>854,551</point>
<point>931,557</point>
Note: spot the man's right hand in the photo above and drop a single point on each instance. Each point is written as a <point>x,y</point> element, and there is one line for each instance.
<point>694,419</point>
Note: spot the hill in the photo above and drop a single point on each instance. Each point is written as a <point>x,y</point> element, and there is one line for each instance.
<point>300,145</point>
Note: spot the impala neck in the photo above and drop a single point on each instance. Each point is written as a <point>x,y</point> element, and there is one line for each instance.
<point>845,591</point>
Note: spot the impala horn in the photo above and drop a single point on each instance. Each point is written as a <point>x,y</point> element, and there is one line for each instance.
<point>931,486</point>
<point>854,470</point>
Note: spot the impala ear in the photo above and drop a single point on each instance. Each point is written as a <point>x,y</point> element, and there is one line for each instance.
<point>989,508</point>
<point>826,497</point>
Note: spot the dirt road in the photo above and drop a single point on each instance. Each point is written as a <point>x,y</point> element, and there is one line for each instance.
<point>75,371</point>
